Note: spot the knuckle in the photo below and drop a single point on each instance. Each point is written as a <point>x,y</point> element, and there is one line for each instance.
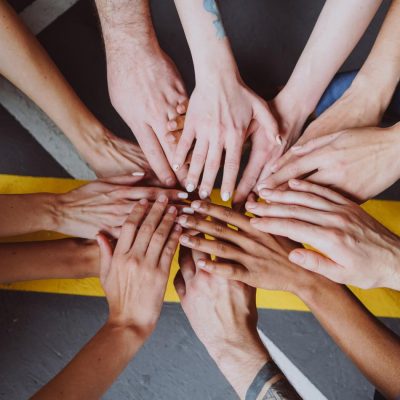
<point>231,165</point>
<point>218,229</point>
<point>227,213</point>
<point>147,227</point>
<point>221,247</point>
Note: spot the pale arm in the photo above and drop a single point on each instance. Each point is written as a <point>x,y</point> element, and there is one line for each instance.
<point>53,259</point>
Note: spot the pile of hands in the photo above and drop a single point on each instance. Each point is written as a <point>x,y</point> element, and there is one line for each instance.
<point>186,141</point>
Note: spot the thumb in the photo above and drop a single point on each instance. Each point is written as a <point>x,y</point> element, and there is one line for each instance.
<point>269,125</point>
<point>318,263</point>
<point>105,256</point>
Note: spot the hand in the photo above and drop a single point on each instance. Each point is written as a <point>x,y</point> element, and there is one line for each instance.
<point>103,206</point>
<point>223,315</point>
<point>248,255</point>
<point>358,162</point>
<point>219,116</point>
<point>146,89</point>
<point>109,155</point>
<point>135,277</point>
<point>357,249</point>
<point>356,108</point>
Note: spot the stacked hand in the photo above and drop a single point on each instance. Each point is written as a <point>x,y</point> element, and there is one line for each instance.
<point>135,275</point>
<point>356,248</point>
<point>103,206</point>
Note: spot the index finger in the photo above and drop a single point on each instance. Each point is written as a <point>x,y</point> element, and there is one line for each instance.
<point>231,169</point>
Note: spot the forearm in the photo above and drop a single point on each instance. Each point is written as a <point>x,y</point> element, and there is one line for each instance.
<point>127,24</point>
<point>338,29</point>
<point>209,45</point>
<point>55,259</point>
<point>369,344</point>
<point>380,73</point>
<point>250,370</point>
<point>96,366</point>
<point>27,213</point>
<point>25,63</point>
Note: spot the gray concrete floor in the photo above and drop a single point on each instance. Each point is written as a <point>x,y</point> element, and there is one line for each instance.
<point>39,333</point>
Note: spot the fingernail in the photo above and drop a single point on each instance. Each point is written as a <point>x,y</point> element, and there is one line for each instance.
<point>265,193</point>
<point>225,196</point>
<point>196,205</point>
<point>183,219</point>
<point>172,210</point>
<point>295,148</point>
<point>250,205</point>
<point>274,168</point>
<point>294,182</point>
<point>279,139</point>
<point>296,257</point>
<point>175,167</point>
<point>181,108</point>
<point>188,210</point>
<point>138,173</point>
<point>203,194</point>
<point>172,125</point>
<point>177,228</point>
<point>185,239</point>
<point>201,263</point>
<point>170,138</point>
<point>162,198</point>
<point>170,181</point>
<point>190,187</point>
<point>143,202</point>
<point>254,221</point>
<point>182,195</point>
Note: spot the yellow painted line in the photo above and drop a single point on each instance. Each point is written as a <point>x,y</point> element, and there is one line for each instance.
<point>382,302</point>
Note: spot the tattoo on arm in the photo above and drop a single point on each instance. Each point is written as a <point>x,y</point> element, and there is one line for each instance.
<point>271,384</point>
<point>211,7</point>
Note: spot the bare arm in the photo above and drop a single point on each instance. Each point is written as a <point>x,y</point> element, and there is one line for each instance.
<point>53,259</point>
<point>25,63</point>
<point>372,347</point>
<point>144,84</point>
<point>338,29</point>
<point>139,267</point>
<point>222,112</point>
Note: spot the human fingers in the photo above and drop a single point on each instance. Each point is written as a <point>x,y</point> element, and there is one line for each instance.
<point>315,143</point>
<point>179,284</point>
<point>318,237</point>
<point>182,106</point>
<point>322,191</point>
<point>105,256</point>
<point>125,179</point>
<point>225,270</point>
<point>211,168</point>
<point>149,226</point>
<point>222,213</point>
<point>186,263</point>
<point>149,193</point>
<point>183,147</point>
<point>293,197</point>
<point>160,236</point>
<point>267,122</point>
<point>316,262</point>
<point>130,227</point>
<point>217,230</point>
<point>231,168</point>
<point>155,155</point>
<point>296,168</point>
<point>169,249</point>
<point>196,165</point>
<point>213,247</point>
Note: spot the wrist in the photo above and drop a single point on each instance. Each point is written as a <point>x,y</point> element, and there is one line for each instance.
<point>86,257</point>
<point>44,207</point>
<point>240,363</point>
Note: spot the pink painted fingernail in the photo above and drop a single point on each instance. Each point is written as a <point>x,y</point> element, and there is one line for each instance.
<point>188,210</point>
<point>203,194</point>
<point>138,173</point>
<point>172,210</point>
<point>172,125</point>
